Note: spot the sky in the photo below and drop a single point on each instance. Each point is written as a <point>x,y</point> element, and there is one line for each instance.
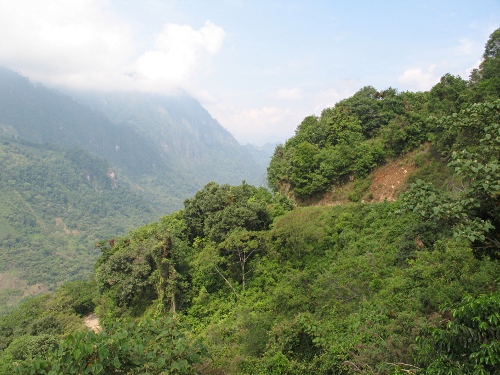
<point>258,66</point>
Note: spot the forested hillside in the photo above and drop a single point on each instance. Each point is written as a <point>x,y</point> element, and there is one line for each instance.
<point>184,133</point>
<point>71,175</point>
<point>245,281</point>
<point>55,205</point>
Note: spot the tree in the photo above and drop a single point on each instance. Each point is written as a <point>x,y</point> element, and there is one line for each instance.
<point>485,81</point>
<point>154,347</point>
<point>474,212</point>
<point>491,56</point>
<point>280,169</point>
<point>366,105</point>
<point>310,130</point>
<point>340,126</point>
<point>148,265</point>
<point>306,179</point>
<point>216,210</point>
<point>469,342</point>
<point>240,247</point>
<point>448,95</point>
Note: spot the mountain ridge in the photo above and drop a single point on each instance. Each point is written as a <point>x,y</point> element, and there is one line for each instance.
<point>65,165</point>
<point>155,140</point>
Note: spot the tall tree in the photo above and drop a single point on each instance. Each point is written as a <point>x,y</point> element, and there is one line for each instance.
<point>485,81</point>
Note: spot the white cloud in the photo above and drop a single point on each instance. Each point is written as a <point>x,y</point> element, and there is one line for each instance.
<point>179,51</point>
<point>289,94</point>
<point>419,79</point>
<point>327,98</point>
<point>273,123</point>
<point>81,43</point>
<point>257,125</point>
<point>57,39</point>
<point>468,71</point>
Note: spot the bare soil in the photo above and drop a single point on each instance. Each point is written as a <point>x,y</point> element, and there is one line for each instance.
<point>386,183</point>
<point>388,180</point>
<point>92,321</point>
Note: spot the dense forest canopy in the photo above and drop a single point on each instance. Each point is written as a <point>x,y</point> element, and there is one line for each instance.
<point>56,203</point>
<point>245,281</point>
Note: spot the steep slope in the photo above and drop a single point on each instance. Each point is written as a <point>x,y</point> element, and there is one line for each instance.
<point>262,155</point>
<point>168,147</point>
<point>55,204</point>
<point>183,132</point>
<point>71,175</point>
<point>391,287</point>
<point>39,115</point>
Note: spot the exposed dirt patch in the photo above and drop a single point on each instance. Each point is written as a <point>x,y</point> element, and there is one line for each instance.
<point>62,224</point>
<point>388,179</point>
<point>92,321</point>
<point>384,183</point>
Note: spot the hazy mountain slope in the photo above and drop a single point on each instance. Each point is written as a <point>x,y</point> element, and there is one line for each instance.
<point>262,155</point>
<point>55,204</point>
<point>168,146</point>
<point>183,132</point>
<point>40,115</point>
<point>72,175</point>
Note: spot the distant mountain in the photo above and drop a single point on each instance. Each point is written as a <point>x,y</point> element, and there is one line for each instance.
<point>76,169</point>
<point>40,115</point>
<point>182,132</point>
<point>55,204</point>
<point>169,146</point>
<point>262,154</point>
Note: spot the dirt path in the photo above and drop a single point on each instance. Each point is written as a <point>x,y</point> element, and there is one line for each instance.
<point>92,321</point>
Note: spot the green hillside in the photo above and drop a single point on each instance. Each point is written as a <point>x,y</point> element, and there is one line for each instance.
<point>184,133</point>
<point>348,141</point>
<point>245,281</point>
<point>55,205</point>
<point>71,175</point>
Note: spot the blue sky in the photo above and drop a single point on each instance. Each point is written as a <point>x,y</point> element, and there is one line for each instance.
<point>259,67</point>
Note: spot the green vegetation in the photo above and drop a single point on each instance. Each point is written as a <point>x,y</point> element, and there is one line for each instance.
<point>152,347</point>
<point>55,204</point>
<point>242,281</point>
<point>347,141</point>
<point>473,149</point>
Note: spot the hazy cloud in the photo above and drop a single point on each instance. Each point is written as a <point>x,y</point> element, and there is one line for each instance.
<point>179,50</point>
<point>327,98</point>
<point>57,40</point>
<point>468,71</point>
<point>257,125</point>
<point>419,79</point>
<point>81,43</point>
<point>289,94</point>
<point>274,122</point>
<point>466,47</point>
<point>159,45</point>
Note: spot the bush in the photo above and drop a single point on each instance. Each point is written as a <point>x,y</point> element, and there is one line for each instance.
<point>152,346</point>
